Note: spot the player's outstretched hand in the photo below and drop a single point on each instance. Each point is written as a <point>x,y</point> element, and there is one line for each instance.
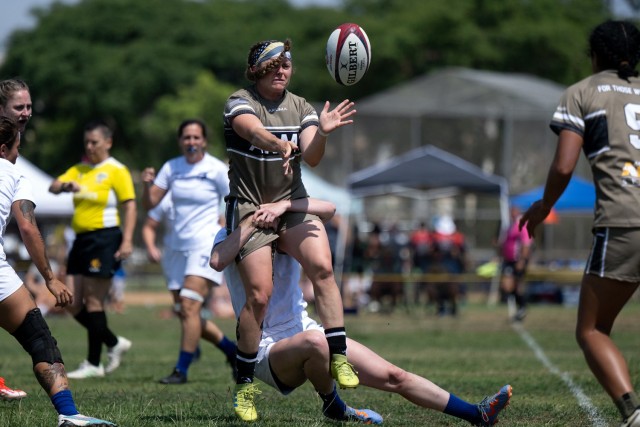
<point>338,117</point>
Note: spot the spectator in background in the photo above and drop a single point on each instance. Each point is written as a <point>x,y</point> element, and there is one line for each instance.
<point>382,258</point>
<point>356,287</point>
<point>449,257</point>
<point>421,245</point>
<point>101,185</point>
<point>515,250</point>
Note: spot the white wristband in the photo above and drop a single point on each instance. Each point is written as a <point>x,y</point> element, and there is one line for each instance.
<point>322,133</point>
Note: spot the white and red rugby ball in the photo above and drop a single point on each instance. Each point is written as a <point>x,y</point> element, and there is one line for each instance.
<point>348,54</point>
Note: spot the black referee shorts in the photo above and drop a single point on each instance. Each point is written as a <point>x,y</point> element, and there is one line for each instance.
<point>93,252</point>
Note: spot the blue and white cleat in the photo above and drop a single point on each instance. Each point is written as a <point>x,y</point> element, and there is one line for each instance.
<point>82,420</point>
<point>363,416</point>
<point>491,406</point>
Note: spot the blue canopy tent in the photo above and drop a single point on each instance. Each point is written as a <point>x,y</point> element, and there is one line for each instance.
<point>578,197</point>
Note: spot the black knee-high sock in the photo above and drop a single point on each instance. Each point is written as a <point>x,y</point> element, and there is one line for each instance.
<point>83,317</point>
<point>521,301</point>
<point>109,339</point>
<point>337,339</point>
<point>95,328</point>
<point>99,333</point>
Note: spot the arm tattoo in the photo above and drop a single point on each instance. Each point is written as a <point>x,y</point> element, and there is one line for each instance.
<point>27,208</point>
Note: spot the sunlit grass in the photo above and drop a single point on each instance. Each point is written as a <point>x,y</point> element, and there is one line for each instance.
<point>472,356</point>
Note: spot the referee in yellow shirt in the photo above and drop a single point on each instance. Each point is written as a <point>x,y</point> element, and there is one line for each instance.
<point>100,185</point>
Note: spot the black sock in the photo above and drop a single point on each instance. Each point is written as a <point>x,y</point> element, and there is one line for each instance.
<point>83,317</point>
<point>246,365</point>
<point>337,339</point>
<point>108,337</point>
<point>96,325</point>
<point>521,302</point>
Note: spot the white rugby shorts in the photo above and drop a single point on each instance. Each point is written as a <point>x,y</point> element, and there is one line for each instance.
<point>9,280</point>
<point>263,370</point>
<point>178,264</point>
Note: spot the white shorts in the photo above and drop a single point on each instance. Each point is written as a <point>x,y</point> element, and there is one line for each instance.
<point>263,368</point>
<point>178,264</point>
<point>169,258</point>
<point>9,280</point>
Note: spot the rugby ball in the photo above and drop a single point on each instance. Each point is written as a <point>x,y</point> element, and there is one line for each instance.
<point>348,54</point>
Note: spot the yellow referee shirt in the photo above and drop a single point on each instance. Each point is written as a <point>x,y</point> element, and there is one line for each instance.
<point>102,188</point>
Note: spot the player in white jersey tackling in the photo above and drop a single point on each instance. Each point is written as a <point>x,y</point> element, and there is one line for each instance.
<point>293,349</point>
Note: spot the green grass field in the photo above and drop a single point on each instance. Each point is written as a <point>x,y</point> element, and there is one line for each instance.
<point>471,356</point>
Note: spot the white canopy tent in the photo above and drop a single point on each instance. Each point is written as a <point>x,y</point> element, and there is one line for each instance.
<point>47,204</point>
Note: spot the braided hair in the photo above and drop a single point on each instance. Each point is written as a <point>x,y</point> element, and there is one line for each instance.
<point>616,46</point>
<point>256,71</point>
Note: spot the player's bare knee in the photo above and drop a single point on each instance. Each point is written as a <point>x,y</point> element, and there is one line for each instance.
<point>321,273</point>
<point>258,302</point>
<point>584,337</point>
<point>35,337</point>
<point>316,342</point>
<point>397,377</point>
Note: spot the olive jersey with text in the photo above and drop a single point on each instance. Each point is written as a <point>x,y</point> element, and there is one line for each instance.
<point>605,110</point>
<point>260,177</point>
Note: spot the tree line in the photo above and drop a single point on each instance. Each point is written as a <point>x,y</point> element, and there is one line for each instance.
<point>146,65</point>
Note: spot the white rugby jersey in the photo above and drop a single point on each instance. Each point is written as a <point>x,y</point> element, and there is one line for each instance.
<point>163,213</point>
<point>13,186</point>
<point>197,191</point>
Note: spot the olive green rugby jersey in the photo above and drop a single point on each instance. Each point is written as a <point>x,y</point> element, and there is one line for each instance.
<point>257,175</point>
<point>605,110</point>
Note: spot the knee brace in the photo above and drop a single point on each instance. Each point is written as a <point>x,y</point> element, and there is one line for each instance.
<point>35,337</point>
<point>191,294</point>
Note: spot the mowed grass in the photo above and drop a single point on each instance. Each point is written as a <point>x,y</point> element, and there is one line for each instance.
<point>471,356</point>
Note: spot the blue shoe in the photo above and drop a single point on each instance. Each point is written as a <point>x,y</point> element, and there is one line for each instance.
<point>491,406</point>
<point>82,420</point>
<point>364,416</point>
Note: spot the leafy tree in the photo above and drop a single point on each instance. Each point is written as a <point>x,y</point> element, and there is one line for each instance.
<point>144,64</point>
<point>203,100</point>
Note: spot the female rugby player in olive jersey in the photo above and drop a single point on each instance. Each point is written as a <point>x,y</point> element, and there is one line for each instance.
<point>599,116</point>
<point>268,132</point>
